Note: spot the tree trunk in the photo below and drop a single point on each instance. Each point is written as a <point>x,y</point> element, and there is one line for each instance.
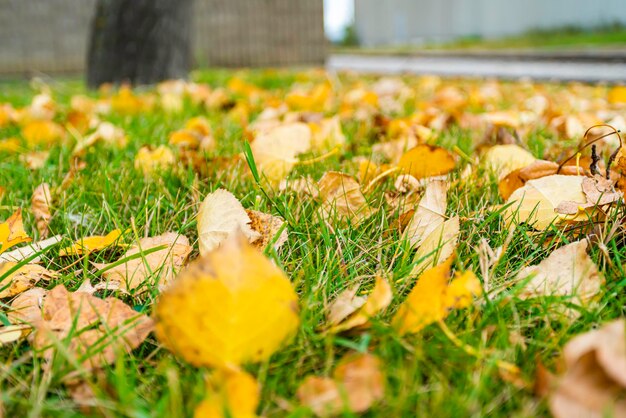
<point>139,41</point>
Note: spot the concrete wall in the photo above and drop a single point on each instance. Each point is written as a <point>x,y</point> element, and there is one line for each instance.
<point>388,22</point>
<point>51,36</point>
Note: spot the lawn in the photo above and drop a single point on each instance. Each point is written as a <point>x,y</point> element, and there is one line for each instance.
<point>480,359</point>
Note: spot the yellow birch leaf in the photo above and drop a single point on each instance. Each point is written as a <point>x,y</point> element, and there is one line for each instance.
<point>438,246</point>
<point>231,394</point>
<point>429,215</point>
<point>503,159</point>
<point>230,306</point>
<point>90,244</point>
<point>376,301</point>
<point>432,298</point>
<point>341,196</point>
<point>150,161</point>
<point>426,161</point>
<point>535,203</point>
<point>12,232</point>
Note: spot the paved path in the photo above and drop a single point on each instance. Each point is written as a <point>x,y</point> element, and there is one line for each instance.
<point>538,69</point>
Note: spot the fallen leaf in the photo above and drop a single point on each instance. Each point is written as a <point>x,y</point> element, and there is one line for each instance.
<point>598,191</point>
<point>341,196</point>
<point>432,297</point>
<point>42,132</point>
<point>26,307</point>
<point>11,333</point>
<point>375,302</point>
<point>90,244</point>
<point>593,384</point>
<point>267,226</point>
<point>228,307</point>
<point>536,201</point>
<point>221,216</point>
<point>437,246</point>
<point>27,251</point>
<point>567,271</point>
<point>275,151</point>
<point>230,394</point>
<point>429,215</point>
<point>22,278</point>
<point>151,161</point>
<point>99,328</point>
<point>346,303</point>
<point>12,232</point>
<point>426,161</point>
<point>35,160</point>
<point>40,205</point>
<point>159,258</point>
<point>356,385</point>
<point>503,159</point>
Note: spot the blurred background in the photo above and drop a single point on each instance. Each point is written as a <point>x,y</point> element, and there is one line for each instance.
<point>53,36</point>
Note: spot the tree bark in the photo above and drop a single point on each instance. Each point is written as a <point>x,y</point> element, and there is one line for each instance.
<point>139,41</point>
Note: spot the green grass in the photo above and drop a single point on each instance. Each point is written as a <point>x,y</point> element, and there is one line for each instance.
<point>566,38</point>
<point>426,374</point>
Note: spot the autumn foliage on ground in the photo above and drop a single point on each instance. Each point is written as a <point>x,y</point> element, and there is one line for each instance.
<point>310,244</point>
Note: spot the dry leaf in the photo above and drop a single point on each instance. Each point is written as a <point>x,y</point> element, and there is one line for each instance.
<point>567,271</point>
<point>27,251</point>
<point>267,226</point>
<point>375,302</point>
<point>26,307</point>
<point>42,132</point>
<point>230,394</point>
<point>275,150</point>
<point>22,278</point>
<point>229,307</point>
<point>356,384</point>
<point>35,160</point>
<point>346,303</point>
<point>536,201</point>
<point>341,196</point>
<point>594,382</point>
<point>159,258</point>
<point>90,244</point>
<point>12,232</point>
<point>432,298</point>
<point>40,205</point>
<point>503,159</point>
<point>99,328</point>
<point>429,215</point>
<point>152,161</point>
<point>437,246</point>
<point>11,333</point>
<point>426,161</point>
<point>598,191</point>
<point>221,216</point>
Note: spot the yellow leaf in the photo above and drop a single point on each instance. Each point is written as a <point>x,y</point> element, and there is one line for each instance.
<point>42,132</point>
<point>437,246</point>
<point>221,216</point>
<point>375,302</point>
<point>150,161</point>
<point>432,298</point>
<point>231,394</point>
<point>426,161</point>
<point>503,159</point>
<point>22,279</point>
<point>275,150</point>
<point>91,244</point>
<point>267,226</point>
<point>429,215</point>
<point>12,232</point>
<point>229,307</point>
<point>617,95</point>
<point>536,201</point>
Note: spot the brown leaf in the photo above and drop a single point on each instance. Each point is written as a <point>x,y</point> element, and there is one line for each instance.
<point>21,279</point>
<point>99,328</point>
<point>568,271</point>
<point>598,190</point>
<point>159,257</point>
<point>341,196</point>
<point>40,205</point>
<point>594,382</point>
<point>267,226</point>
<point>357,383</point>
<point>26,308</point>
